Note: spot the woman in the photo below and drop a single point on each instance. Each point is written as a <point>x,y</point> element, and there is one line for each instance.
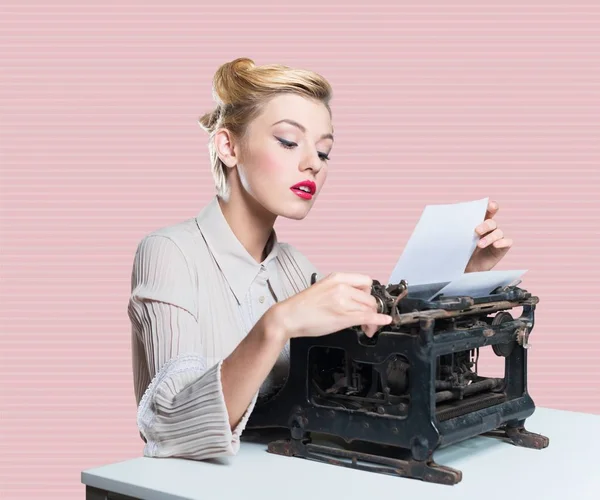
<point>216,298</point>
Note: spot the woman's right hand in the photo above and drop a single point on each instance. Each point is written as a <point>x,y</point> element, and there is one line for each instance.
<point>338,301</point>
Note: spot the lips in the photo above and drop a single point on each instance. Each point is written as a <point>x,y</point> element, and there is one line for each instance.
<point>312,187</point>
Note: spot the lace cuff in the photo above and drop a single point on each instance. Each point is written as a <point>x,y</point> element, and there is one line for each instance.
<point>183,414</point>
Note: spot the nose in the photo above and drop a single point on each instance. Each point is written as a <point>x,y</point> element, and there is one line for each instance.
<point>312,162</point>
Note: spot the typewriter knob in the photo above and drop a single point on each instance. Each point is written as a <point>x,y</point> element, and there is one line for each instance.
<point>523,337</point>
<point>505,349</point>
<point>380,304</point>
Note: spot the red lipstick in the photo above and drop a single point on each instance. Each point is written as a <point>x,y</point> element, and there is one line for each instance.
<point>309,189</point>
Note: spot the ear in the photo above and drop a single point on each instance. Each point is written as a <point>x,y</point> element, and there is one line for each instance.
<point>224,144</point>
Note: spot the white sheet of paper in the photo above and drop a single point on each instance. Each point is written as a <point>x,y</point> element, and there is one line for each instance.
<point>480,284</point>
<point>441,244</point>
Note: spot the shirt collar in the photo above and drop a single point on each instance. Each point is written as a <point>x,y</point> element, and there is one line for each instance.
<point>238,266</point>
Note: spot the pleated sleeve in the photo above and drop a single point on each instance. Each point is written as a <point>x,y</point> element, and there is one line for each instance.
<point>181,408</point>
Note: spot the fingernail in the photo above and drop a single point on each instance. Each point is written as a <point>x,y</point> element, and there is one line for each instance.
<point>482,242</point>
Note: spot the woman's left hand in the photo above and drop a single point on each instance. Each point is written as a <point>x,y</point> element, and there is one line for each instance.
<point>492,245</point>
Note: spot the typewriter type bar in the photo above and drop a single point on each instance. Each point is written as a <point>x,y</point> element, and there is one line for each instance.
<point>386,403</point>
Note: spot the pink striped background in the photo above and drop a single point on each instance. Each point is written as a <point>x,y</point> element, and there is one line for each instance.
<point>434,103</point>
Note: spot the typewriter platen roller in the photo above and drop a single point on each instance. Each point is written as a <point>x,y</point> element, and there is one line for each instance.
<point>388,402</point>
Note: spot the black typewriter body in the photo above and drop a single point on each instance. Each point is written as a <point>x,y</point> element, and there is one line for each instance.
<point>388,402</point>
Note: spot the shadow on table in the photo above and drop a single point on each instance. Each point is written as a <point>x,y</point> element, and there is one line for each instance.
<point>478,446</point>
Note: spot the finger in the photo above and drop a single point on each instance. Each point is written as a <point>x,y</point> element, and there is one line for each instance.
<point>503,243</point>
<point>491,238</point>
<point>381,320</point>
<point>492,209</point>
<point>486,226</point>
<point>362,297</point>
<point>369,330</point>
<point>364,290</point>
<point>348,303</point>
<point>371,318</point>
<point>373,323</point>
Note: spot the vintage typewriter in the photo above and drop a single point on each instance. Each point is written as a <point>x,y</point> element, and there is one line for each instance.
<point>387,402</point>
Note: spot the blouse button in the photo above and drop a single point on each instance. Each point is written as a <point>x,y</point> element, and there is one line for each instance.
<point>261,299</point>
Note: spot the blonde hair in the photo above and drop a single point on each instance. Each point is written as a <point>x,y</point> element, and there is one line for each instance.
<point>241,90</point>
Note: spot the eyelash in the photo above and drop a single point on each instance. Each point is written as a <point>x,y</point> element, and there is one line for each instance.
<point>290,145</point>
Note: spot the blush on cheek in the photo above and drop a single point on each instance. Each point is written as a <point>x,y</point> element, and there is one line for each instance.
<point>271,163</point>
<point>266,172</point>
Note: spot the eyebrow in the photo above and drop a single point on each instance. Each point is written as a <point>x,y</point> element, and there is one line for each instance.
<point>296,124</point>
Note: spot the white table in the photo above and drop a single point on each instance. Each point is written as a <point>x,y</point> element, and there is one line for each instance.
<point>568,468</point>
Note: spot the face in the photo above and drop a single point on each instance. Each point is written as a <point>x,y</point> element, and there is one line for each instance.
<point>278,154</point>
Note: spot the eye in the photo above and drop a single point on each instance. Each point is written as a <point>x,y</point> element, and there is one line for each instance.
<point>291,145</point>
<point>286,144</point>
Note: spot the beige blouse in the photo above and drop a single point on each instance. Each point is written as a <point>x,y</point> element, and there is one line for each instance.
<point>195,294</point>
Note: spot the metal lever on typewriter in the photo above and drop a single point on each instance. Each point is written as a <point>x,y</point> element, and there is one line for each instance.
<point>402,289</point>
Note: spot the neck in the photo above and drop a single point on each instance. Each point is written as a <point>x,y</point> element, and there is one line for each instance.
<point>249,221</point>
